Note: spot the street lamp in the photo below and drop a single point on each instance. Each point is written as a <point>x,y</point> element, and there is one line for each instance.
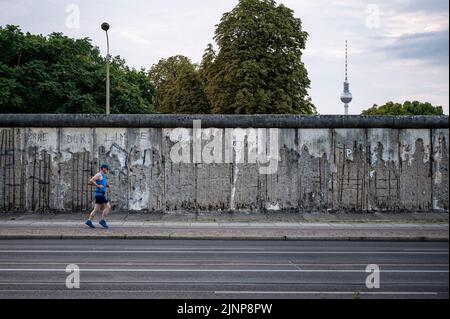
<point>105,27</point>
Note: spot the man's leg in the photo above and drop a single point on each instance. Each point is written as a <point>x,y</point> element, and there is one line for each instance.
<point>106,211</point>
<point>94,212</point>
<point>92,215</point>
<point>105,214</point>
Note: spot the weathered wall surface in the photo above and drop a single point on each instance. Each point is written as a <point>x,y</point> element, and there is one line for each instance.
<point>364,167</point>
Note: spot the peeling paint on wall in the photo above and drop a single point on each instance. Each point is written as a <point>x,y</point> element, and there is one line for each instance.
<point>384,181</point>
<point>410,141</point>
<point>415,169</point>
<point>43,169</point>
<point>440,169</point>
<point>350,182</point>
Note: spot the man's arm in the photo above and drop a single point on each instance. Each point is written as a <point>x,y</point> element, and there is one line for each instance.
<point>93,181</point>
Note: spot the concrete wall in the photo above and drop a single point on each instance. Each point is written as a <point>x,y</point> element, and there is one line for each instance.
<point>325,163</point>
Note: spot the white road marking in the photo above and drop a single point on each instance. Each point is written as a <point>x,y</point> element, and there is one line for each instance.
<point>71,291</point>
<point>327,293</point>
<point>426,249</point>
<point>221,270</point>
<point>228,282</point>
<point>217,264</point>
<point>222,283</point>
<point>225,252</point>
<point>385,293</point>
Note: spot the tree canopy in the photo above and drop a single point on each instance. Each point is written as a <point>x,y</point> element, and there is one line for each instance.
<point>258,67</point>
<point>407,108</point>
<point>57,74</point>
<point>179,86</point>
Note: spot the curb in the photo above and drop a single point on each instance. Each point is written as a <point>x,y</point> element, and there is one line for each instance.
<point>218,238</point>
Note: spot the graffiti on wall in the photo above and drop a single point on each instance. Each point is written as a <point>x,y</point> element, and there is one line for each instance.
<point>45,169</point>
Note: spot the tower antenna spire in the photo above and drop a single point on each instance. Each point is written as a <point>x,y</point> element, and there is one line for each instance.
<point>346,96</point>
<point>346,60</point>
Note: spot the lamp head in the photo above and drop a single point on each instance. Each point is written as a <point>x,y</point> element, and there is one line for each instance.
<point>105,26</point>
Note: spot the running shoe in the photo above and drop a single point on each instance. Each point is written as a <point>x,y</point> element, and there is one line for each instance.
<point>89,223</point>
<point>103,224</point>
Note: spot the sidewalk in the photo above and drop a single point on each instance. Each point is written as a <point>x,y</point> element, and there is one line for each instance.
<point>225,226</point>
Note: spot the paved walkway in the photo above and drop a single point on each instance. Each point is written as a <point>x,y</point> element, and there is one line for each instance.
<point>231,226</point>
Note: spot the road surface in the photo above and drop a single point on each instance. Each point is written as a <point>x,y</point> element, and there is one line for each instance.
<point>222,269</point>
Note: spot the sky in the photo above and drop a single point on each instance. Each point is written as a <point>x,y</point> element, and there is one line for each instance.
<point>398,49</point>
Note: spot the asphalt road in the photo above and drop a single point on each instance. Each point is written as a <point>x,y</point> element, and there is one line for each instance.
<point>222,269</point>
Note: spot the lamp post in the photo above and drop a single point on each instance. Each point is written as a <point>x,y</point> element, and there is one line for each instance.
<point>105,27</point>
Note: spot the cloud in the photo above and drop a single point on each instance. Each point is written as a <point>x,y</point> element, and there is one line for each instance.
<point>431,47</point>
<point>13,10</point>
<point>134,37</point>
<point>433,6</point>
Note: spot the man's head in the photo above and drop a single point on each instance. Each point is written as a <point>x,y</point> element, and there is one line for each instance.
<point>104,168</point>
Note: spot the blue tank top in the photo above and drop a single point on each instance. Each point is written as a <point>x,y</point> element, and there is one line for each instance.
<point>101,183</point>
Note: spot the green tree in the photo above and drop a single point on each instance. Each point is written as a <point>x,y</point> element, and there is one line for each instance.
<point>179,86</point>
<point>187,96</point>
<point>208,58</point>
<point>131,90</point>
<point>258,68</point>
<point>407,108</point>
<point>57,74</point>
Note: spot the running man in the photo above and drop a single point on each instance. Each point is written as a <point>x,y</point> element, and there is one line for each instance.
<point>101,202</point>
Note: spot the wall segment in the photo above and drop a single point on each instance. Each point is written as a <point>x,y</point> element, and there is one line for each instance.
<point>323,163</point>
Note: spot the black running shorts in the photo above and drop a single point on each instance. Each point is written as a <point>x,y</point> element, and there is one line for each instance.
<point>101,199</point>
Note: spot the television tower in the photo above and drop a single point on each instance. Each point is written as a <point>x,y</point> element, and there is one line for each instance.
<point>346,96</point>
